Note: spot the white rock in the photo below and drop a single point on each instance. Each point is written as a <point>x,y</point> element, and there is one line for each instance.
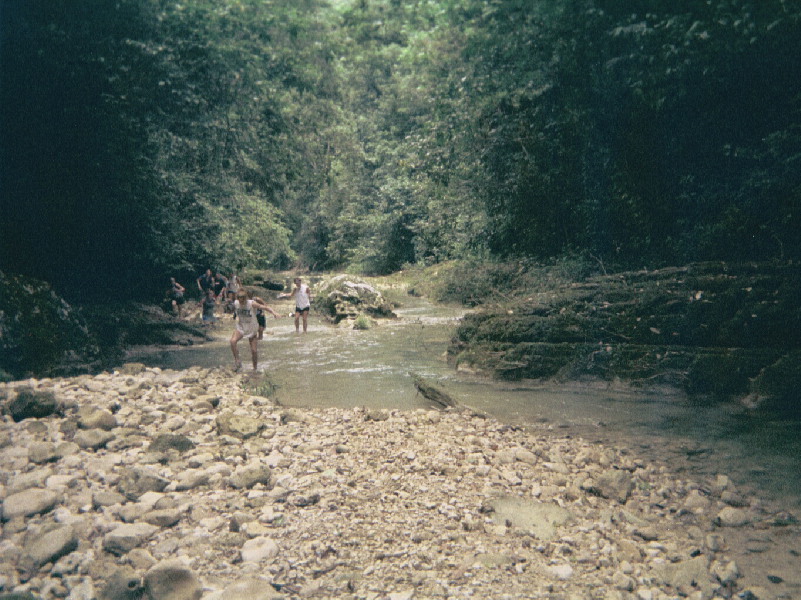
<point>525,456</point>
<point>732,517</point>
<point>125,538</point>
<point>33,479</point>
<point>645,594</point>
<point>563,571</point>
<point>172,580</point>
<point>81,588</point>
<point>248,589</point>
<point>621,581</point>
<point>259,549</point>
<point>696,502</point>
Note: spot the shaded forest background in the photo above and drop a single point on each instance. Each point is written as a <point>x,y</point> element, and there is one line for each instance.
<point>148,138</point>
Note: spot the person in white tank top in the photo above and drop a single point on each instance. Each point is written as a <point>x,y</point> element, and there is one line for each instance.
<point>302,295</point>
<point>247,326</point>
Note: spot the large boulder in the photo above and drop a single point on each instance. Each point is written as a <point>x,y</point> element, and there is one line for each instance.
<point>346,297</point>
<point>31,404</point>
<point>172,580</point>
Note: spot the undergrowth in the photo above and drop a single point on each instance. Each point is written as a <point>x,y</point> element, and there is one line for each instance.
<point>473,283</point>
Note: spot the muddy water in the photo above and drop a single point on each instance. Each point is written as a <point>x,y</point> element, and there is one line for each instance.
<point>332,366</point>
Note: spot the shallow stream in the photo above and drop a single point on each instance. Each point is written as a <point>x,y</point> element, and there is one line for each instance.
<point>336,366</point>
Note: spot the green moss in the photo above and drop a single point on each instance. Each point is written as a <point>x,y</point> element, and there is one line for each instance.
<point>39,331</point>
<point>261,385</point>
<point>362,323</point>
<point>725,372</point>
<point>475,283</point>
<point>778,383</point>
<point>710,329</point>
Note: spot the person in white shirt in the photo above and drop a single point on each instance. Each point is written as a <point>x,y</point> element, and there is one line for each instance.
<point>302,295</point>
<point>247,326</point>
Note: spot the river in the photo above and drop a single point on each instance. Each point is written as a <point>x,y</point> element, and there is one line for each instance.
<point>336,366</point>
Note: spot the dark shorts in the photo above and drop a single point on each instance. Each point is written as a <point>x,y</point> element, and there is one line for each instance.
<point>261,319</point>
<point>302,310</point>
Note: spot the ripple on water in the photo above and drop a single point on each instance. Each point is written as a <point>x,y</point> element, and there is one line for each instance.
<point>356,370</point>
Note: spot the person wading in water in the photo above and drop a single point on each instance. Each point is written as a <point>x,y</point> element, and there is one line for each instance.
<point>247,326</point>
<point>302,295</point>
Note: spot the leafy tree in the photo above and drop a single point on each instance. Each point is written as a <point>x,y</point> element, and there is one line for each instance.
<point>151,137</point>
<point>69,164</point>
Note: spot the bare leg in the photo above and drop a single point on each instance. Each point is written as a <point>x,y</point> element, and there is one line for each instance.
<point>234,349</point>
<point>254,351</point>
<point>305,320</point>
<point>297,322</point>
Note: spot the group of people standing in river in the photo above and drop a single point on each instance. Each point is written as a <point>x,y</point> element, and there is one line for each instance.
<point>248,310</point>
<point>216,289</point>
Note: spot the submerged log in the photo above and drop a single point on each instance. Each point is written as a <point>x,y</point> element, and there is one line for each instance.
<point>432,392</point>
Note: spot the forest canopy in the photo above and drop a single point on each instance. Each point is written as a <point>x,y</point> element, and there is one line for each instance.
<point>148,138</point>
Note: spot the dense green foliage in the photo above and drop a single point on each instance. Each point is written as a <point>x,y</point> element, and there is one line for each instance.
<point>143,138</point>
<point>40,332</point>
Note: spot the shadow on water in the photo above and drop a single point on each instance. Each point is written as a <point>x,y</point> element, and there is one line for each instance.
<point>340,367</point>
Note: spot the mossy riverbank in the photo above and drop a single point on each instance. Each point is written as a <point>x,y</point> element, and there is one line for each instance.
<point>715,330</point>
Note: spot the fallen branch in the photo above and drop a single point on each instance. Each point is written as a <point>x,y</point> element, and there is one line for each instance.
<point>432,392</point>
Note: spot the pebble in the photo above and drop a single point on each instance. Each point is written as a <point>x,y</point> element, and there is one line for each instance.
<point>180,485</point>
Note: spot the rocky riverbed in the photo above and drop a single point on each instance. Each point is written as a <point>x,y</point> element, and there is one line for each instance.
<point>178,485</point>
